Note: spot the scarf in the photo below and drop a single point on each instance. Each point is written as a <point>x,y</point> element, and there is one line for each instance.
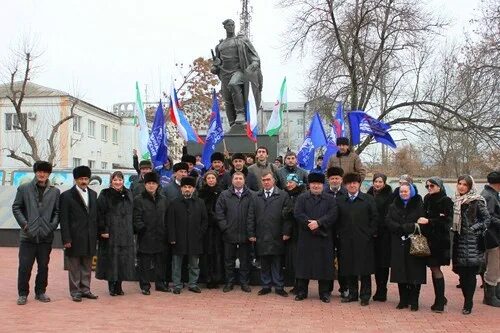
<point>459,200</point>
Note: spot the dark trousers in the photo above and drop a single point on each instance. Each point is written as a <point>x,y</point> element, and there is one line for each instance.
<point>242,252</point>
<point>79,274</point>
<point>28,252</point>
<point>467,278</point>
<point>271,272</point>
<point>365,292</point>
<point>323,287</point>
<point>151,268</point>
<point>381,278</point>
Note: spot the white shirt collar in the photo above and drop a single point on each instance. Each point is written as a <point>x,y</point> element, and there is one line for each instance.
<point>84,195</point>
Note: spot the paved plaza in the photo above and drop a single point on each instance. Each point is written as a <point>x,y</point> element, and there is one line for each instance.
<point>214,311</point>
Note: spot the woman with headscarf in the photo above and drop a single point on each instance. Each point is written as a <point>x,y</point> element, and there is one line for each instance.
<point>438,208</point>
<point>406,270</point>
<point>212,261</point>
<point>382,193</point>
<point>470,217</point>
<point>294,187</point>
<point>115,254</point>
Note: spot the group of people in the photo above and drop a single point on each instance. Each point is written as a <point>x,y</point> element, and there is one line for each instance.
<point>299,225</point>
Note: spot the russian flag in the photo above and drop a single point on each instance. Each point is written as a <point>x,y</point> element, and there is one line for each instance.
<point>251,111</point>
<point>179,119</point>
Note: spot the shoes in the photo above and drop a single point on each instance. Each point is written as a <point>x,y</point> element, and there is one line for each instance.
<point>281,292</point>
<point>349,299</point>
<point>414,307</point>
<point>365,302</point>
<point>112,293</point>
<point>466,311</point>
<point>325,298</point>
<point>195,289</point>
<point>402,305</point>
<point>76,298</point>
<point>240,119</point>
<point>228,287</point>
<point>380,297</point>
<point>212,285</point>
<point>264,291</point>
<point>177,291</point>
<point>89,295</point>
<point>145,292</point>
<point>490,297</point>
<point>22,300</point>
<point>42,298</point>
<point>246,288</point>
<point>293,291</point>
<point>344,294</point>
<point>163,289</point>
<point>300,297</point>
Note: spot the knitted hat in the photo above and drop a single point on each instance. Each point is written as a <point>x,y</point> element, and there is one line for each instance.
<point>352,177</point>
<point>188,181</point>
<point>238,156</point>
<point>180,166</point>
<point>151,177</point>
<point>217,156</point>
<point>334,171</point>
<point>42,166</point>
<point>293,178</point>
<point>81,171</point>
<point>188,159</point>
<point>316,177</point>
<point>342,141</point>
<point>494,177</point>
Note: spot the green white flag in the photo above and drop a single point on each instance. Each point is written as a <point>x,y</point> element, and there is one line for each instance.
<point>276,120</point>
<point>140,121</point>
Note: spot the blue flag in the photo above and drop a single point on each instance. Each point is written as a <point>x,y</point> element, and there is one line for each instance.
<point>157,139</point>
<point>336,131</point>
<point>315,138</point>
<point>360,122</point>
<point>215,133</point>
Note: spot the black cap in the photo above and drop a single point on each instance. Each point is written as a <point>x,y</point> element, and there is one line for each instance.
<point>42,166</point>
<point>180,166</point>
<point>494,177</point>
<point>315,177</point>
<point>188,181</point>
<point>188,159</point>
<point>151,177</point>
<point>352,177</point>
<point>82,171</point>
<point>145,164</point>
<point>217,156</point>
<point>342,141</point>
<point>334,171</point>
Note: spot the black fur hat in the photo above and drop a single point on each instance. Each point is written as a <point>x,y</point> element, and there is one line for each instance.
<point>82,171</point>
<point>494,177</point>
<point>188,159</point>
<point>342,141</point>
<point>188,181</point>
<point>352,177</point>
<point>217,156</point>
<point>238,156</point>
<point>42,166</point>
<point>180,166</point>
<point>151,177</point>
<point>334,171</point>
<point>315,177</point>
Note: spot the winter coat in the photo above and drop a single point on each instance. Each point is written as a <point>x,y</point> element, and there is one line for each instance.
<point>294,194</point>
<point>291,244</point>
<point>349,162</point>
<point>186,224</point>
<point>172,191</point>
<point>234,214</point>
<point>492,236</point>
<point>150,216</point>
<point>467,249</point>
<point>283,173</point>
<point>213,236</point>
<point>258,169</point>
<point>401,220</point>
<point>79,223</point>
<point>137,185</point>
<point>116,254</point>
<point>273,220</point>
<point>315,247</point>
<point>356,228</point>
<point>251,180</point>
<point>383,200</point>
<point>438,209</point>
<point>37,220</point>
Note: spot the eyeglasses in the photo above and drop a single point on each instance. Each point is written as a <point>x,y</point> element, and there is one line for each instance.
<point>428,186</point>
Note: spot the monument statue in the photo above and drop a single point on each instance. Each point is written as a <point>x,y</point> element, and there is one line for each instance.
<point>237,65</point>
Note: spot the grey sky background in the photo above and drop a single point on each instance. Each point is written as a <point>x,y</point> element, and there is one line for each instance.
<point>98,49</point>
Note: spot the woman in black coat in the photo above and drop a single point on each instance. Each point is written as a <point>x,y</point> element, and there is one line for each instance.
<point>470,217</point>
<point>438,209</point>
<point>408,271</point>
<point>212,261</point>
<point>115,254</point>
<point>382,193</point>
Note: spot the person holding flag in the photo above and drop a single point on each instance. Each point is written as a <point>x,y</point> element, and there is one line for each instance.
<point>315,138</point>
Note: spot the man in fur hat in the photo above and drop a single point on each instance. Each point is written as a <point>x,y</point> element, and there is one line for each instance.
<point>346,159</point>
<point>217,161</point>
<point>79,232</point>
<point>173,190</point>
<point>187,223</point>
<point>36,210</point>
<point>238,162</point>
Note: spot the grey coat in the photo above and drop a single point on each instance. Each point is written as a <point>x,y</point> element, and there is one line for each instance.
<point>41,218</point>
<point>285,171</point>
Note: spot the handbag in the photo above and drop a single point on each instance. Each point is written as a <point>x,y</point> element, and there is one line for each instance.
<point>419,247</point>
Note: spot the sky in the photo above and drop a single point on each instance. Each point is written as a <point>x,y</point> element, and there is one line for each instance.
<point>96,49</point>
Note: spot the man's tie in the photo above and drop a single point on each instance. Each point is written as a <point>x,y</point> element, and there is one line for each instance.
<point>268,194</point>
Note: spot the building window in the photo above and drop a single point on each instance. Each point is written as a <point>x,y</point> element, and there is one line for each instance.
<point>300,121</point>
<point>91,164</point>
<point>77,162</point>
<point>91,129</point>
<point>104,165</point>
<point>104,133</point>
<point>77,124</point>
<point>12,121</point>
<point>115,135</point>
<point>300,135</point>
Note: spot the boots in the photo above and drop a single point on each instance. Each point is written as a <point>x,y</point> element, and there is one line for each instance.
<point>497,290</point>
<point>490,297</point>
<point>440,301</point>
<point>414,294</point>
<point>112,288</point>
<point>403,296</point>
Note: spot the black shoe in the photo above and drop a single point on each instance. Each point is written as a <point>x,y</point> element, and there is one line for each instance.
<point>402,305</point>
<point>349,299</point>
<point>300,297</point>
<point>22,300</point>
<point>42,298</point>
<point>246,288</point>
<point>265,291</point>
<point>177,291</point>
<point>195,289</point>
<point>466,311</point>
<point>227,287</point>
<point>365,302</point>
<point>281,292</point>
<point>344,294</point>
<point>145,292</point>
<point>89,295</point>
<point>325,298</point>
<point>212,285</point>
<point>76,298</point>
<point>163,289</point>
<point>293,291</point>
<point>414,307</point>
<point>380,297</point>
<point>112,293</point>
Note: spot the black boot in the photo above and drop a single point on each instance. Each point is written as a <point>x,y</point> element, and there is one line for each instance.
<point>414,296</point>
<point>403,296</point>
<point>112,288</point>
<point>497,290</point>
<point>490,298</point>
<point>468,292</point>
<point>118,288</point>
<point>440,300</point>
<point>381,277</point>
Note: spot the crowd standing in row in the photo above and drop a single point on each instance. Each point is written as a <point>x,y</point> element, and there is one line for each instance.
<point>300,226</point>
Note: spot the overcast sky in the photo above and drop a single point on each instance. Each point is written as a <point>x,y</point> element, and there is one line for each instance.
<point>98,49</point>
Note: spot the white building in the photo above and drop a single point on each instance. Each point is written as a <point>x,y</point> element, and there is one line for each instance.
<point>94,137</point>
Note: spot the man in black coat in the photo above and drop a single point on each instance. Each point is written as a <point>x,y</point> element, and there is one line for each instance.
<point>234,211</point>
<point>173,190</point>
<point>36,210</point>
<point>356,227</point>
<point>187,222</point>
<point>315,213</point>
<point>270,229</point>
<point>149,219</point>
<point>238,161</point>
<point>143,167</point>
<point>79,232</point>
